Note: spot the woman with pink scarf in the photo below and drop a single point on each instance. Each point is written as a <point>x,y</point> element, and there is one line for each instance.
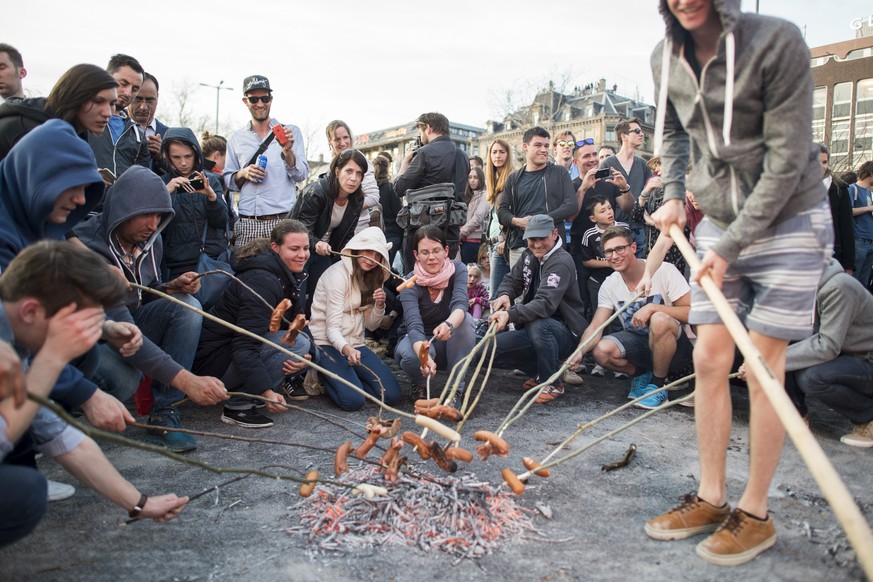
<point>434,308</point>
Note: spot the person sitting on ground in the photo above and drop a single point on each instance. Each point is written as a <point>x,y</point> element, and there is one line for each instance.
<point>127,234</point>
<point>52,297</point>
<point>548,320</point>
<point>348,298</point>
<point>273,269</point>
<point>653,342</point>
<point>435,308</point>
<point>476,291</point>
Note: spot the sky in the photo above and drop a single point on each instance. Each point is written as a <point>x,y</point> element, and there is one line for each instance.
<point>374,64</point>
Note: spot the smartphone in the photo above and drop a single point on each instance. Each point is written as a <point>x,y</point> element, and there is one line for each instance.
<point>107,175</point>
<point>601,174</point>
<point>281,134</point>
<point>196,183</point>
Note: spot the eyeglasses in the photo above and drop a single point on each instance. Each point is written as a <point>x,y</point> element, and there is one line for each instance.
<point>147,100</point>
<point>636,130</point>
<point>263,98</point>
<point>586,141</point>
<point>426,254</point>
<point>619,249</point>
<point>562,143</point>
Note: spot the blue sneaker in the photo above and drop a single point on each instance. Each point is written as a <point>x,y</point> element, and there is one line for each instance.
<point>639,385</point>
<point>653,401</point>
<point>177,442</point>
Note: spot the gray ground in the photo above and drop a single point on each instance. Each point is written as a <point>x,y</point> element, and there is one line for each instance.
<point>241,537</point>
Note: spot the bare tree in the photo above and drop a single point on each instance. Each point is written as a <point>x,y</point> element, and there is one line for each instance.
<point>180,103</point>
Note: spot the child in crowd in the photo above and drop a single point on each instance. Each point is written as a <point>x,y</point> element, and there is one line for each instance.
<point>476,291</point>
<point>602,215</point>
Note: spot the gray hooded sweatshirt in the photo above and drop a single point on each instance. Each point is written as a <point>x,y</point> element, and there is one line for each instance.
<point>745,124</point>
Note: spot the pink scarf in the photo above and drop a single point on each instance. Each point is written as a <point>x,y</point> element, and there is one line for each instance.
<point>438,281</point>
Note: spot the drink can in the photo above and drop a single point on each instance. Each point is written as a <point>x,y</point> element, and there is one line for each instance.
<point>262,163</point>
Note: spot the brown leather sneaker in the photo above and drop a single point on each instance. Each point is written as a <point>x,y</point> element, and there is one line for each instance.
<point>550,393</point>
<point>739,539</point>
<point>691,517</point>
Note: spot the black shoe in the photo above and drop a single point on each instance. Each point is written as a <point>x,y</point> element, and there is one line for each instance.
<point>292,387</point>
<point>247,418</point>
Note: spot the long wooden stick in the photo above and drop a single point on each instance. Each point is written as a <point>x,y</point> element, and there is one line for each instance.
<point>835,491</point>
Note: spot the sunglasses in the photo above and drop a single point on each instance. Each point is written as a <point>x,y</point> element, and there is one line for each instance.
<point>263,99</point>
<point>586,141</point>
<point>562,143</point>
<point>636,131</point>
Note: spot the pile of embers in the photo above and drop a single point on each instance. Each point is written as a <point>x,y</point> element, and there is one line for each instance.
<point>460,515</point>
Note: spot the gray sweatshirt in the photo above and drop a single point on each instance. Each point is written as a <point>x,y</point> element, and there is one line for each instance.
<point>745,125</point>
<point>844,323</point>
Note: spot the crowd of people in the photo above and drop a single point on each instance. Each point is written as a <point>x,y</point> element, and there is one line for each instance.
<point>546,246</point>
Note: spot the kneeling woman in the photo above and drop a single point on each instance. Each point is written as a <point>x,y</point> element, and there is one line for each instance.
<point>349,296</point>
<point>436,306</point>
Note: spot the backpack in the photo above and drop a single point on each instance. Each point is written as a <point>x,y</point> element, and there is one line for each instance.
<point>435,204</point>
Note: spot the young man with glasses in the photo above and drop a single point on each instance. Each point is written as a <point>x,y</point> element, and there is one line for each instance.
<point>266,195</point>
<point>634,170</point>
<point>653,341</point>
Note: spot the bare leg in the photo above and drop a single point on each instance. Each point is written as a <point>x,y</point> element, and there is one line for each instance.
<point>713,357</point>
<point>607,354</point>
<point>662,342</point>
<point>766,433</point>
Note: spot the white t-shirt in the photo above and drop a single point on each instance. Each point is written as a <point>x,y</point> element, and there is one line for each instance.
<point>668,285</point>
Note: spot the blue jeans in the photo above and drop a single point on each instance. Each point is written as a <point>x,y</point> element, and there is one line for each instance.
<point>446,354</point>
<point>537,349</point>
<point>863,260</point>
<point>345,397</point>
<point>172,328</point>
<point>273,360</point>
<point>499,270</point>
<point>639,234</point>
<point>844,384</point>
<point>469,252</point>
<point>23,503</point>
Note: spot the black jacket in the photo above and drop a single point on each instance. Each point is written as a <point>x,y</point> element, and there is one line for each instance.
<point>435,163</point>
<point>844,223</point>
<point>219,346</point>
<point>390,208</point>
<point>314,209</point>
<point>131,149</point>
<point>183,236</point>
<point>17,118</point>
<point>560,202</point>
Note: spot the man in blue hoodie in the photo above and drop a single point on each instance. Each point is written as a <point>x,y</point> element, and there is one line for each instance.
<point>735,99</point>
<point>127,234</point>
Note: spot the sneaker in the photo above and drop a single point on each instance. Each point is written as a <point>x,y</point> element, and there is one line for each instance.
<point>419,392</point>
<point>530,383</point>
<point>581,369</point>
<point>620,375</point>
<point>861,435</point>
<point>571,377</point>
<point>550,393</point>
<point>653,401</point>
<point>738,540</point>
<point>639,384</point>
<point>176,442</point>
<point>691,517</point>
<point>58,491</point>
<point>518,372</point>
<point>598,371</point>
<point>292,388</point>
<point>690,403</point>
<point>246,418</point>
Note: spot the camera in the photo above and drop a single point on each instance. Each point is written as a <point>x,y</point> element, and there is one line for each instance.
<point>416,145</point>
<point>601,174</point>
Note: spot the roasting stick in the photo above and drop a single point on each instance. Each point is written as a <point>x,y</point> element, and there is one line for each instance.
<point>407,283</point>
<point>835,491</point>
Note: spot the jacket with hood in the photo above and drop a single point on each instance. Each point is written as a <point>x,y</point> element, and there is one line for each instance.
<point>267,275</point>
<point>750,138</point>
<point>844,222</point>
<point>183,236</point>
<point>560,202</point>
<point>138,191</point>
<point>131,149</point>
<point>30,183</point>
<point>338,317</point>
<point>315,205</point>
<point>843,323</point>
<point>17,118</point>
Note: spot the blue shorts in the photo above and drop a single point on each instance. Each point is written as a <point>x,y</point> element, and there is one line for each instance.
<point>775,279</point>
<point>635,349</point>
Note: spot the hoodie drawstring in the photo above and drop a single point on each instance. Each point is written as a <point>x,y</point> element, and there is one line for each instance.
<point>729,88</point>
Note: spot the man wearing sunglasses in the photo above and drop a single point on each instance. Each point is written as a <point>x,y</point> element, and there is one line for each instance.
<point>653,342</point>
<point>266,195</point>
<point>562,147</point>
<point>633,168</point>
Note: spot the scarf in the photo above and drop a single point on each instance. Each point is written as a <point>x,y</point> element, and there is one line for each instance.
<point>438,281</point>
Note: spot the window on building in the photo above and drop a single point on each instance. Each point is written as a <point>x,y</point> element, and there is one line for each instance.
<point>840,125</point>
<point>610,136</point>
<point>819,108</point>
<point>862,142</point>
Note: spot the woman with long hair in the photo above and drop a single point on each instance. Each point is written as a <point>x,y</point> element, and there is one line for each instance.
<point>339,137</point>
<point>435,307</point>
<point>330,207</point>
<point>498,167</point>
<point>348,298</point>
<point>477,215</point>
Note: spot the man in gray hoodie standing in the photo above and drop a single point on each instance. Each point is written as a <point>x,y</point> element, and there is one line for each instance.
<point>765,240</point>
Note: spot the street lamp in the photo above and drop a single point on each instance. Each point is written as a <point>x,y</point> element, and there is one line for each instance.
<point>218,89</point>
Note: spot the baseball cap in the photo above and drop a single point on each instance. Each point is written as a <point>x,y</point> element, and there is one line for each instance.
<point>539,226</point>
<point>256,82</point>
